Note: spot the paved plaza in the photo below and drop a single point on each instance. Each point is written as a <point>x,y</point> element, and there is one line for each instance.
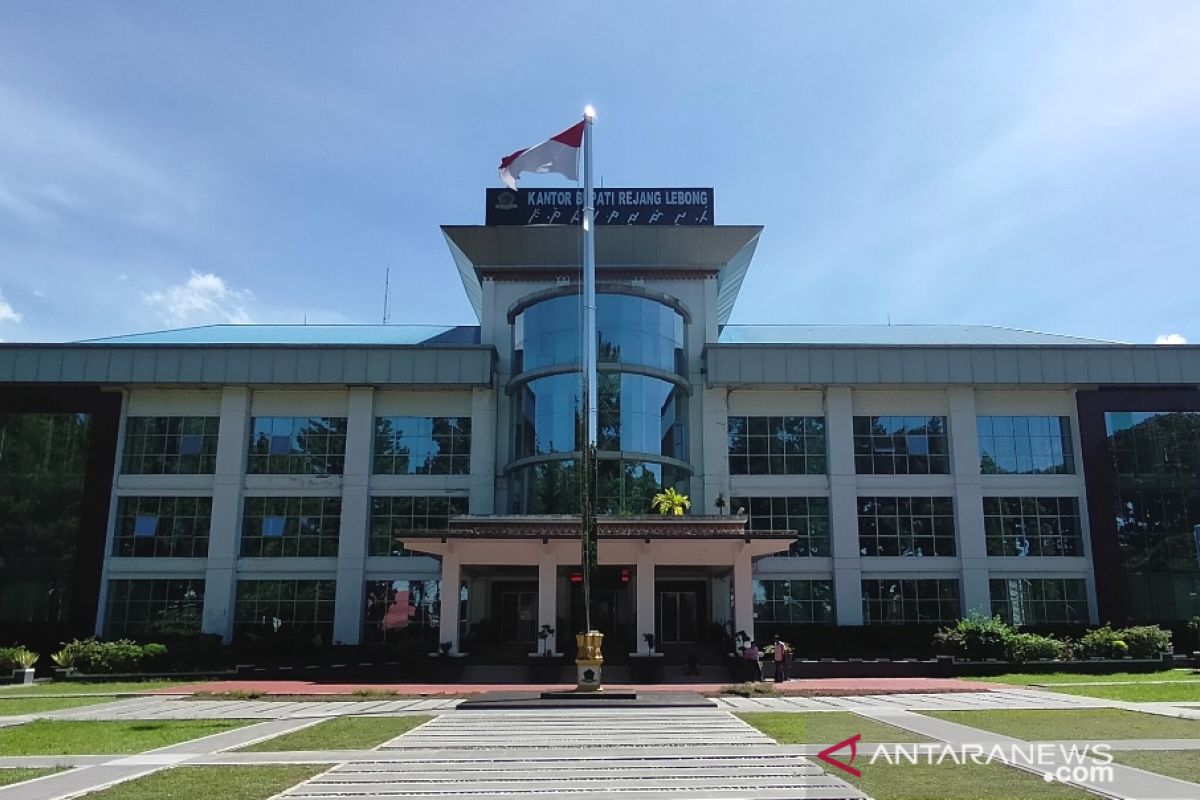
<point>585,753</point>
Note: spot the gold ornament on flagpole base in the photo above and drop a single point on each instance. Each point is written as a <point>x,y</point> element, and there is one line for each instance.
<point>588,661</point>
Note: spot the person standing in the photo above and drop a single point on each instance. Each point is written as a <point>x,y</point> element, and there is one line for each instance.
<point>752,656</point>
<point>781,654</point>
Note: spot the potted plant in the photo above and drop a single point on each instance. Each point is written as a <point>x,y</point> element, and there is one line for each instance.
<point>719,502</point>
<point>670,502</point>
<point>544,637</point>
<point>20,660</point>
<point>64,661</point>
<point>646,667</point>
<point>545,666</point>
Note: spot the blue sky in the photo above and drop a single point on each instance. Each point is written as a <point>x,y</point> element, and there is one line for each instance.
<point>1029,165</point>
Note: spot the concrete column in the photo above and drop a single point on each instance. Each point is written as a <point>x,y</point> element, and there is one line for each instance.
<point>220,578</point>
<point>712,436</point>
<point>111,523</point>
<point>548,593</point>
<point>645,599</point>
<point>448,614</point>
<point>843,506</point>
<point>720,602</point>
<point>484,451</point>
<point>743,592</point>
<point>968,500</point>
<point>356,512</point>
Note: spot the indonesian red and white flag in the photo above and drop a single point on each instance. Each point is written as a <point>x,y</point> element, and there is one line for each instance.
<point>557,154</point>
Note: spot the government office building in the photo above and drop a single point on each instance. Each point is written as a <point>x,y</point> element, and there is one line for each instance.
<point>366,484</point>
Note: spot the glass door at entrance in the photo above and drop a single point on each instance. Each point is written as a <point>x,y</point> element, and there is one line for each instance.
<point>518,616</point>
<point>677,617</point>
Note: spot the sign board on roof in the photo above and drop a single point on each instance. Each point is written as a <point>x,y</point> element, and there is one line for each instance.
<point>692,206</point>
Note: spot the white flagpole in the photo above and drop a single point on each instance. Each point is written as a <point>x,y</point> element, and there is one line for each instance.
<point>590,378</point>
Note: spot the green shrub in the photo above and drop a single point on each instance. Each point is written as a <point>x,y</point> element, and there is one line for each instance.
<point>1022,647</point>
<point>1102,643</point>
<point>975,637</point>
<point>1146,641</point>
<point>92,657</point>
<point>153,652</point>
<point>18,657</point>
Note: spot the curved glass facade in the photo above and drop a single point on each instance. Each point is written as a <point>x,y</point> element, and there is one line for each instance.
<point>544,415</point>
<point>637,414</point>
<point>623,486</point>
<point>631,329</point>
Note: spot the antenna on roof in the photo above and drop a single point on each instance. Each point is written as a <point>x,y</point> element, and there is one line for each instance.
<point>387,279</point>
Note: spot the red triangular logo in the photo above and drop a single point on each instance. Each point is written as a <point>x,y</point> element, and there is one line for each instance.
<point>853,741</point>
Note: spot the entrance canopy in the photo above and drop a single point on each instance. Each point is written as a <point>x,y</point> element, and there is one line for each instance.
<point>532,539</point>
<point>566,526</point>
<point>644,543</point>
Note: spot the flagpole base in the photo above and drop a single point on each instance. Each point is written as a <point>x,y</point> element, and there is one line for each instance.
<point>588,662</point>
<point>587,675</point>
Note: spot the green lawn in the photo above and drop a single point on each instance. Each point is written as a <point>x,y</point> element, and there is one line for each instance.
<point>1027,678</point>
<point>1088,724</point>
<point>1182,764</point>
<point>226,783</point>
<point>92,687</point>
<point>11,707</point>
<point>826,727</point>
<point>70,737</point>
<point>341,733</point>
<point>1173,692</point>
<point>18,774</point>
<point>884,781</point>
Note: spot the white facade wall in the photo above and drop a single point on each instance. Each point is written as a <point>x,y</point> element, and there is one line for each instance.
<point>846,568</point>
<point>487,488</point>
<point>230,487</point>
<point>838,405</point>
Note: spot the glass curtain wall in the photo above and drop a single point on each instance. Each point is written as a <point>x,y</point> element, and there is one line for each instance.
<point>642,418</point>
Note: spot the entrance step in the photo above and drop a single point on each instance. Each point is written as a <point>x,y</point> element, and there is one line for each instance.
<point>511,673</point>
<point>613,674</point>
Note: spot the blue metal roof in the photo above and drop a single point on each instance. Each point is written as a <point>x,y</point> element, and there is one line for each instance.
<point>400,335</point>
<point>304,335</point>
<point>893,335</point>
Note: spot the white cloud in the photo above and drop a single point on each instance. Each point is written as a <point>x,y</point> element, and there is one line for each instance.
<point>1170,338</point>
<point>205,299</point>
<point>7,312</point>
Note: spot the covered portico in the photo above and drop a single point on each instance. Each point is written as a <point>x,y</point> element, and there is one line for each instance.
<point>652,546</point>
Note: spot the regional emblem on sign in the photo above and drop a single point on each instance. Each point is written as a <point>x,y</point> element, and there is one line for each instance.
<point>506,201</point>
